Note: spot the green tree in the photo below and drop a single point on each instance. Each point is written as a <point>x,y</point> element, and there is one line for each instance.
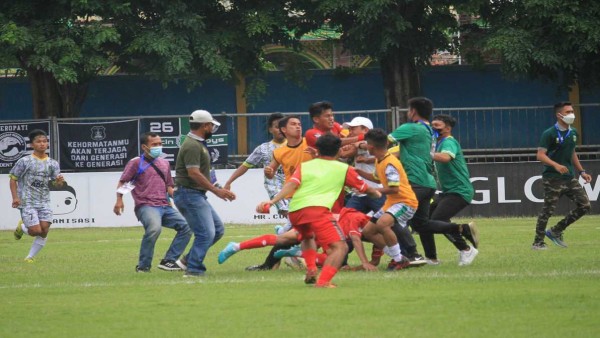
<point>59,44</point>
<point>63,44</point>
<point>557,40</point>
<point>401,34</point>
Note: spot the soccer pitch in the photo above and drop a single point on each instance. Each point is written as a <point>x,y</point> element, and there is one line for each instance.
<point>83,284</point>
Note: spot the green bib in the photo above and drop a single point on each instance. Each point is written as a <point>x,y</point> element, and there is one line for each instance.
<point>321,184</point>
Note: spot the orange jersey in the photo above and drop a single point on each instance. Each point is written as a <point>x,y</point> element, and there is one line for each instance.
<point>390,173</point>
<point>290,157</point>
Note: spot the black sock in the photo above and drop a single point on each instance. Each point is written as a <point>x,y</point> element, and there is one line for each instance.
<point>271,261</point>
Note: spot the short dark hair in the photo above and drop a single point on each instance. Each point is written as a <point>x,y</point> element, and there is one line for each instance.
<point>328,144</point>
<point>35,133</point>
<point>559,105</point>
<point>317,108</point>
<point>422,105</point>
<point>377,137</point>
<point>447,119</point>
<point>284,122</point>
<point>146,136</point>
<point>273,117</point>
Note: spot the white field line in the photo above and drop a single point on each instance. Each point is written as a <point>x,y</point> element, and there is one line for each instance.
<point>58,241</point>
<point>297,278</point>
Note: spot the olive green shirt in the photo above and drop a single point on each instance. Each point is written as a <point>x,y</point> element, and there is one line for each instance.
<point>192,154</point>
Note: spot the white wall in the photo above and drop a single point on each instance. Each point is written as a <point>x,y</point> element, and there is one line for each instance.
<point>95,194</point>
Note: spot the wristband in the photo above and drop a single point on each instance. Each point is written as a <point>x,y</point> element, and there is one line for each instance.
<point>581,172</point>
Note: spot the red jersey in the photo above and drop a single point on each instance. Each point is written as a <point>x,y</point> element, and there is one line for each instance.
<point>352,221</point>
<point>313,134</point>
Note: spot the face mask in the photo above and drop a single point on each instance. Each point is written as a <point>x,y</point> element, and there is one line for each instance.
<point>155,152</point>
<point>569,118</point>
<point>438,131</point>
<point>208,135</point>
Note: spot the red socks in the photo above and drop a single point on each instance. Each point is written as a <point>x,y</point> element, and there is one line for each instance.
<point>258,242</point>
<point>310,258</point>
<point>321,257</point>
<point>326,275</point>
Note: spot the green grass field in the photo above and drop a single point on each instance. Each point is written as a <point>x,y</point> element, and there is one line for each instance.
<point>83,284</point>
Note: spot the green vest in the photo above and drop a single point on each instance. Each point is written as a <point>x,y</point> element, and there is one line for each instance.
<point>321,184</point>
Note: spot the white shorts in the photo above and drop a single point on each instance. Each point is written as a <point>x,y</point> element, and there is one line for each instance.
<point>401,212</point>
<point>33,216</point>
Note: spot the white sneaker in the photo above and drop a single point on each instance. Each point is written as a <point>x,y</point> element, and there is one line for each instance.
<point>433,261</point>
<point>296,263</point>
<point>181,264</point>
<point>467,257</point>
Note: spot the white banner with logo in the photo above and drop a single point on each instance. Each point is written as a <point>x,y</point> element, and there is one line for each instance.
<point>87,200</point>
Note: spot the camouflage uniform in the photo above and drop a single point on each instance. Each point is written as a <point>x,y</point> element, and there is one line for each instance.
<point>560,146</point>
<point>554,188</point>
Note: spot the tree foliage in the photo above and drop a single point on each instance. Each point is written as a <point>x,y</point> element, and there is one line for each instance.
<point>401,34</point>
<point>551,39</point>
<point>60,46</point>
<point>63,44</point>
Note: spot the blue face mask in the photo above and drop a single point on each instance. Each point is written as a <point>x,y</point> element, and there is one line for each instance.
<point>155,152</point>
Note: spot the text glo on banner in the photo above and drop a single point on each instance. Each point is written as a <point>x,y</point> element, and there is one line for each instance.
<point>15,143</point>
<point>99,145</point>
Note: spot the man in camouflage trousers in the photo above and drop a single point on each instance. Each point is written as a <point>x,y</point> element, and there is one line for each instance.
<point>557,152</point>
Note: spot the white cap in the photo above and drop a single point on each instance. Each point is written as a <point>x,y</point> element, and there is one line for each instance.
<point>202,116</point>
<point>359,121</point>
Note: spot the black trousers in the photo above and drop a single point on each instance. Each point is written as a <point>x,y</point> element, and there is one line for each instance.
<point>443,208</point>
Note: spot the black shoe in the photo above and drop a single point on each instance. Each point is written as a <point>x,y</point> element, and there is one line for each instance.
<point>169,265</point>
<point>259,267</point>
<point>143,270</point>
<point>471,233</point>
<point>189,274</point>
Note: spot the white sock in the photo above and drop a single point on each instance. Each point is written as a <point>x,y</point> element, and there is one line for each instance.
<point>287,227</point>
<point>36,246</point>
<point>386,250</point>
<point>25,230</point>
<point>395,253</point>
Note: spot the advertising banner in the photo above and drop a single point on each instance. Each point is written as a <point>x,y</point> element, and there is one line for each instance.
<point>169,130</point>
<point>515,190</point>
<point>14,141</point>
<point>217,144</point>
<point>97,146</point>
<point>173,131</point>
<point>88,198</point>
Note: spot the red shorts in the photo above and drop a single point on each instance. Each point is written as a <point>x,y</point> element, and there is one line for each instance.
<point>317,222</point>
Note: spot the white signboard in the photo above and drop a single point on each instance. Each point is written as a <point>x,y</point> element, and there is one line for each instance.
<point>88,200</point>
